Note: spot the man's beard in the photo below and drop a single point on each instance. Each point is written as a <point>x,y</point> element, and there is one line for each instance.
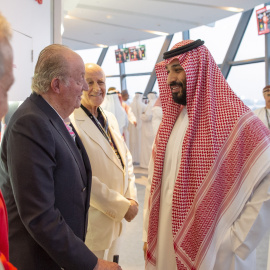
<point>179,98</point>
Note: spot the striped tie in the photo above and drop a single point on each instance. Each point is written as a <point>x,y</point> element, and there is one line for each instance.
<point>71,132</point>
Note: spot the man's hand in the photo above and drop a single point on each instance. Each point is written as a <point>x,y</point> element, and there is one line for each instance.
<point>145,249</point>
<point>132,211</point>
<point>135,123</point>
<point>105,265</point>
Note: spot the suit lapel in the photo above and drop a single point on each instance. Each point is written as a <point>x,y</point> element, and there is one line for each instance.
<point>87,125</point>
<point>60,127</point>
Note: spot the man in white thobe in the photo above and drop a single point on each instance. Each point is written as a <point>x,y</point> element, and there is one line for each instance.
<point>137,107</point>
<point>207,203</point>
<point>112,104</point>
<point>147,134</point>
<point>264,112</point>
<point>157,115</point>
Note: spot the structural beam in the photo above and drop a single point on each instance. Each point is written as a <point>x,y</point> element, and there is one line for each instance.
<point>185,35</point>
<point>235,43</point>
<point>267,59</point>
<point>102,56</point>
<point>153,76</point>
<point>57,21</point>
<point>122,70</point>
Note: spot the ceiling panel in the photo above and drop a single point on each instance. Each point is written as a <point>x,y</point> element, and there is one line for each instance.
<point>111,22</point>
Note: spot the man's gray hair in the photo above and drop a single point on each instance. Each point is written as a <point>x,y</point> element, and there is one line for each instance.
<point>51,64</point>
<point>5,36</point>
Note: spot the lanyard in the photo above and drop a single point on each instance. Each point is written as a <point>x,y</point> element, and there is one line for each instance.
<point>104,130</point>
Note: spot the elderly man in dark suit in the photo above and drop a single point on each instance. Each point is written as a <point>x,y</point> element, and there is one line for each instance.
<point>45,171</point>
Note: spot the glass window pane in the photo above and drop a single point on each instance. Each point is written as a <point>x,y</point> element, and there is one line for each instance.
<point>252,45</point>
<point>248,81</point>
<point>152,49</point>
<point>109,64</point>
<point>113,82</point>
<point>90,56</point>
<point>217,37</point>
<point>136,84</point>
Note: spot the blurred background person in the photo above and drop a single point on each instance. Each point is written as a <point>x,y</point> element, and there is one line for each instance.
<point>157,115</point>
<point>112,104</point>
<point>114,194</point>
<point>137,107</point>
<point>124,100</point>
<point>145,100</point>
<point>147,134</point>
<point>125,96</point>
<point>264,112</point>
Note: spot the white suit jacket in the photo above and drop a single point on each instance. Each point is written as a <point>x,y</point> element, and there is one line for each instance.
<point>112,185</point>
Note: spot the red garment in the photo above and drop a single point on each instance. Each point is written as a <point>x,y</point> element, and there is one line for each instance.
<point>222,141</point>
<point>3,228</point>
<point>7,265</point>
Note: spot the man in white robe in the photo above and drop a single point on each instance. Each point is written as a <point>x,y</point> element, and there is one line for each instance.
<point>130,118</point>
<point>157,115</point>
<point>207,203</point>
<point>147,134</point>
<point>264,112</point>
<point>137,107</point>
<point>112,104</point>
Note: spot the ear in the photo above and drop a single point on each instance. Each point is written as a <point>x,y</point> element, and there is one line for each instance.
<point>55,85</point>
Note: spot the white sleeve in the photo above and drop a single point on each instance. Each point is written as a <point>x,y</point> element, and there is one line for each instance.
<point>131,116</point>
<point>251,226</point>
<point>131,192</point>
<point>248,230</point>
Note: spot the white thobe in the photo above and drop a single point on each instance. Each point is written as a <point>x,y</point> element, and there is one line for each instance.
<point>262,115</point>
<point>237,251</point>
<point>147,135</point>
<point>165,252</point>
<point>131,119</point>
<point>157,118</point>
<point>137,107</point>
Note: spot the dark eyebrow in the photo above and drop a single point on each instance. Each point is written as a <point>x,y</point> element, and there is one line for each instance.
<point>174,66</point>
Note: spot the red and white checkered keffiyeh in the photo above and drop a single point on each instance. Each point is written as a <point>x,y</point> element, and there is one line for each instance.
<point>221,144</point>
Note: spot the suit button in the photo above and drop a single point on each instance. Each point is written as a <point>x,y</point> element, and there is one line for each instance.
<point>83,189</point>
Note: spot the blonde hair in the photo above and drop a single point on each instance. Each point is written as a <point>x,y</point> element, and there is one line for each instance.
<point>5,37</point>
<point>51,64</point>
<point>5,29</point>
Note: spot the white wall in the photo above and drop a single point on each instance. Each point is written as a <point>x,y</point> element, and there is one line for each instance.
<point>31,23</point>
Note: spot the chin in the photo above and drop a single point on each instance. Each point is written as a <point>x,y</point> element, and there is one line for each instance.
<point>179,99</point>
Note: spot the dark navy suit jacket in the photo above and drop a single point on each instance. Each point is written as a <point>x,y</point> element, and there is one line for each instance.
<point>45,178</point>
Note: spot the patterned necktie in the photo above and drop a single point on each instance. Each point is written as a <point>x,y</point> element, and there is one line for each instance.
<point>71,132</point>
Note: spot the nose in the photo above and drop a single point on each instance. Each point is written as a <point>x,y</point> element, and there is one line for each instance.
<point>96,87</point>
<point>85,85</point>
<point>171,78</point>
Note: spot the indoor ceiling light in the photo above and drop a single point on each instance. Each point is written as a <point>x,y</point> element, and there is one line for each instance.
<point>233,9</point>
<point>157,33</point>
<point>102,46</point>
